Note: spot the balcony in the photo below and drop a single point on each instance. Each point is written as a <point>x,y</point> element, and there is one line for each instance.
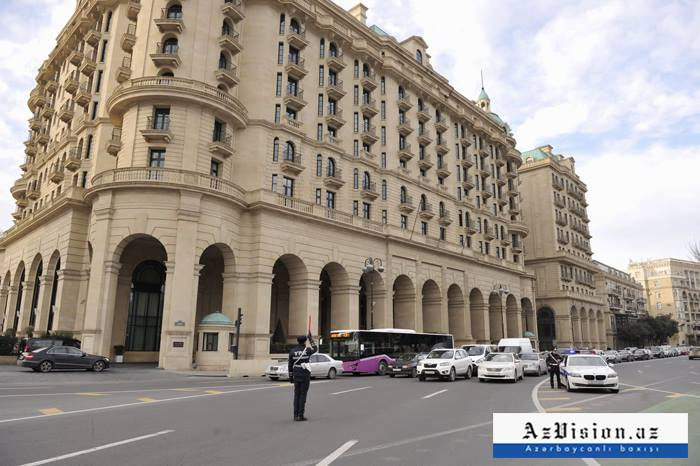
<point>425,162</point>
<point>405,128</point>
<point>466,162</point>
<point>36,99</point>
<point>297,38</point>
<point>441,125</point>
<point>423,114</point>
<point>221,145</point>
<point>88,67</point>
<point>502,201</point>
<point>33,193</point>
<point>489,233</point>
<point>513,191</point>
<point>369,107</point>
<point>292,123</point>
<point>404,103</point>
<point>295,67</point>
<point>558,184</point>
<point>559,202</point>
<point>445,218</point>
<point>169,23</point>
<point>124,71</point>
<point>484,172</point>
<point>233,9</point>
<point>335,89</point>
<point>369,134</point>
<point>157,130</point>
<point>405,152</point>
<point>486,193</point>
<point>513,156</point>
<point>442,148</point>
<point>231,42</point>
<point>514,208</point>
<point>114,145</point>
<point>42,137</point>
<point>72,162</point>
<point>369,191</point>
<point>468,183</point>
<point>83,97</point>
<point>335,62</point>
<point>368,81</point>
<point>517,246</point>
<point>330,139</point>
<point>442,170</point>
<point>562,239</point>
<point>47,111</point>
<point>512,174</point>
<point>35,123</point>
<point>22,203</point>
<point>30,148</point>
<point>132,9</point>
<point>166,56</point>
<point>294,99</point>
<point>334,179</point>
<point>129,38</point>
<point>471,227</point>
<point>424,137</point>
<point>464,142</point>
<point>75,57</point>
<point>51,86</point>
<point>499,161</point>
<point>406,205</point>
<point>291,164</point>
<point>335,119</point>
<point>499,181</point>
<point>228,75</point>
<point>368,156</point>
<point>93,37</point>
<point>56,175</point>
<point>66,113</point>
<point>425,211</point>
<point>71,83</point>
<point>17,215</point>
<point>561,220</point>
<point>19,189</point>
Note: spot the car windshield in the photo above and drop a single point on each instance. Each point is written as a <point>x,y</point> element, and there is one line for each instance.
<point>509,349</point>
<point>529,356</point>
<point>407,356</point>
<point>587,361</point>
<point>420,357</point>
<point>476,350</point>
<point>441,354</point>
<point>499,357</point>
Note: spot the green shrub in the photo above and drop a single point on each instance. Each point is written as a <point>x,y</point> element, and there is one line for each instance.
<point>7,345</point>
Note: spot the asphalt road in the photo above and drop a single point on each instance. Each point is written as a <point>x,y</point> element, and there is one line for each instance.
<point>132,416</point>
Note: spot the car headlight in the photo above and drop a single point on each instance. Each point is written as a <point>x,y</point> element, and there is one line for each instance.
<point>443,364</point>
<point>573,374</point>
<point>612,376</point>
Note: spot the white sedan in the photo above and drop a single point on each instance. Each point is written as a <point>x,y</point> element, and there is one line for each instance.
<point>322,365</point>
<point>588,371</point>
<point>534,363</point>
<point>501,366</point>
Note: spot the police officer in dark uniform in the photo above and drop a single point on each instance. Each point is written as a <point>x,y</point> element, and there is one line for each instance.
<point>553,360</point>
<point>299,373</point>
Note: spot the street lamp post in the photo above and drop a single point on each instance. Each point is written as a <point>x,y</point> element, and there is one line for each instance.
<point>372,264</point>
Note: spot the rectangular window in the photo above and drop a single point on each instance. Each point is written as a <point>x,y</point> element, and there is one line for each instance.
<point>318,196</point>
<point>404,222</point>
<point>104,51</point>
<point>83,180</point>
<point>424,228</point>
<point>273,186</point>
<point>288,188</point>
<point>385,217</point>
<point>320,76</point>
<point>461,240</point>
<point>356,148</point>
<point>280,53</point>
<point>93,114</point>
<point>320,105</point>
<point>161,118</point>
<point>219,131</point>
<point>382,85</point>
<point>210,341</point>
<point>88,147</point>
<point>383,135</point>
<point>443,233</point>
<point>366,210</point>
<point>278,112</point>
<point>330,199</point>
<point>356,95</point>
<point>382,107</point>
<point>319,132</point>
<point>383,160</point>
<point>355,122</point>
<point>156,158</point>
<point>355,208</point>
<point>215,168</point>
<point>278,85</point>
<point>98,81</point>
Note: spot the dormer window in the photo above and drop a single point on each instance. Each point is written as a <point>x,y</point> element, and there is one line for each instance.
<point>419,57</point>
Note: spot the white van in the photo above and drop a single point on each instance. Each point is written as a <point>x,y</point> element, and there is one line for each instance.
<point>515,345</point>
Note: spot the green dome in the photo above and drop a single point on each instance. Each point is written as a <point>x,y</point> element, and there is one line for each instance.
<point>483,95</point>
<point>216,318</point>
<point>496,119</point>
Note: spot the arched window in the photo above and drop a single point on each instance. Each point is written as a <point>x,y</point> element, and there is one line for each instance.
<point>170,46</point>
<point>402,92</point>
<point>442,209</point>
<point>356,69</point>
<point>223,61</point>
<point>175,11</point>
<point>294,26</point>
<point>403,195</point>
<point>319,165</point>
<point>322,48</point>
<point>276,149</point>
<point>420,104</point>
<point>486,224</point>
<point>289,151</point>
<point>366,71</point>
<point>366,180</point>
<point>355,179</point>
<point>423,202</point>
<point>333,49</point>
<point>385,190</point>
<point>331,167</point>
<point>80,149</point>
<point>419,57</point>
<point>226,28</point>
<point>108,21</point>
<point>437,115</point>
<point>282,20</point>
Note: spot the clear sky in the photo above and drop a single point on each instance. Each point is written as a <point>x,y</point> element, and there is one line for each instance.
<point>614,84</point>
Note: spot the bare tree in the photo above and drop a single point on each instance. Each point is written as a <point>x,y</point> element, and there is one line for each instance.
<point>694,250</point>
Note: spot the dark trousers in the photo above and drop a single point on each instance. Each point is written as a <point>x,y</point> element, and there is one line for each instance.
<point>552,372</point>
<point>302,380</point>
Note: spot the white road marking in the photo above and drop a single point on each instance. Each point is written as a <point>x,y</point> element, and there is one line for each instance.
<point>102,447</point>
<point>660,391</point>
<point>351,390</point>
<point>694,373</point>
<point>336,454</point>
<point>116,392</point>
<point>640,371</point>
<point>433,394</point>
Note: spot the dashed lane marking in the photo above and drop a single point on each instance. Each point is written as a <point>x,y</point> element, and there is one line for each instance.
<point>337,453</point>
<point>185,389</point>
<point>555,399</point>
<point>433,394</point>
<point>146,399</point>
<point>50,411</point>
<point>91,394</point>
<point>351,390</point>
<point>214,392</point>
<point>676,395</point>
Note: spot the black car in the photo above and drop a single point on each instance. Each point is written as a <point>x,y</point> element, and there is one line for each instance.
<point>61,357</point>
<point>406,364</point>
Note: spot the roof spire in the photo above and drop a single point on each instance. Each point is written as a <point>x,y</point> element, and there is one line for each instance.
<point>483,100</point>
<point>482,80</point>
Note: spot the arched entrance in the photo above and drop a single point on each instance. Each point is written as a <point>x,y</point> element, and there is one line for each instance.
<point>404,303</point>
<point>19,286</point>
<point>288,302</point>
<point>602,335</point>
<point>456,315</point>
<point>372,298</point>
<point>585,328</point>
<point>431,304</point>
<point>496,324</point>
<point>575,327</point>
<point>4,301</point>
<point>37,277</point>
<point>545,328</point>
<point>54,293</point>
<point>513,319</point>
<point>529,321</point>
<point>332,300</point>
<point>477,311</point>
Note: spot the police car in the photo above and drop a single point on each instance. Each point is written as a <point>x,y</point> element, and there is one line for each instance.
<point>588,371</point>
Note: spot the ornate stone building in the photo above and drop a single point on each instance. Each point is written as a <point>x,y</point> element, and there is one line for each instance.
<point>558,250</point>
<point>192,157</point>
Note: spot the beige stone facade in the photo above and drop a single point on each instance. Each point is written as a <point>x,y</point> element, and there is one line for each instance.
<point>626,300</point>
<point>195,157</point>
<point>569,312</point>
<point>672,287</point>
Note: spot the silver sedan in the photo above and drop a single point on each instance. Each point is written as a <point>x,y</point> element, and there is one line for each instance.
<point>322,365</point>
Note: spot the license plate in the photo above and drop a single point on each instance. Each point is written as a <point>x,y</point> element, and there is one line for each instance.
<point>429,371</point>
<point>397,370</point>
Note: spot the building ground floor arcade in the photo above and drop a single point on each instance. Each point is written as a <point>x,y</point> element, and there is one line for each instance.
<point>143,278</point>
<point>568,321</point>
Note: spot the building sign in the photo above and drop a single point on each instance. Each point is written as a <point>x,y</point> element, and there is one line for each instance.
<point>589,435</point>
<point>178,344</point>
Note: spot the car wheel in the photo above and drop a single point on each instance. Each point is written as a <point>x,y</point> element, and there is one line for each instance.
<point>382,368</point>
<point>274,378</point>
<point>392,375</point>
<point>468,375</point>
<point>568,387</point>
<point>421,378</point>
<point>45,366</point>
<point>453,375</point>
<point>414,373</point>
<point>331,373</point>
<point>99,366</point>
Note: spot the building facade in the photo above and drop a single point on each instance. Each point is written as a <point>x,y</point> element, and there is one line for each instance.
<point>626,300</point>
<point>569,312</point>
<point>672,287</point>
<point>189,159</point>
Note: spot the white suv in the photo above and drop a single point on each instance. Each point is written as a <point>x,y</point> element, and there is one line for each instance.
<point>445,363</point>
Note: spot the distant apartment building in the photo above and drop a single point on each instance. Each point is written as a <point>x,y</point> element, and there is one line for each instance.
<point>558,251</point>
<point>626,300</point>
<point>672,288</point>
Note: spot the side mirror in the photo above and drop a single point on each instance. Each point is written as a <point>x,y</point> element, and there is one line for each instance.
<point>84,354</point>
<point>611,364</point>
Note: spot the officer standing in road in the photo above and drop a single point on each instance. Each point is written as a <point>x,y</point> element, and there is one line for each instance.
<point>299,373</point>
<point>553,360</point>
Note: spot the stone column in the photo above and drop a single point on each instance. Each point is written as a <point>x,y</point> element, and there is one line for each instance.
<point>514,323</point>
<point>303,305</point>
<point>66,308</point>
<point>252,293</point>
<point>3,307</point>
<point>576,326</point>
<point>562,326</point>
<point>346,314</point>
<point>12,296</point>
<point>26,308</point>
<point>381,318</point>
<point>44,302</point>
